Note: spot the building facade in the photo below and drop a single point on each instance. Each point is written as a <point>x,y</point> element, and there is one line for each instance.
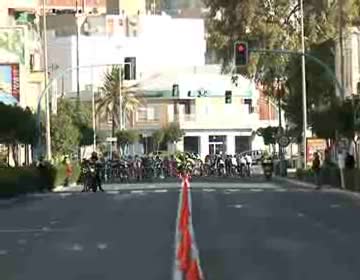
<point>157,43</point>
<point>211,124</point>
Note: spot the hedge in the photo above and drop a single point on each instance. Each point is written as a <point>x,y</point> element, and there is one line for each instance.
<point>21,180</point>
<point>330,175</point>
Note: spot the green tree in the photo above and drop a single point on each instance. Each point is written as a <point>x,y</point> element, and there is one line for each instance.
<point>274,25</point>
<point>81,119</point>
<point>126,138</point>
<point>17,126</point>
<point>109,102</point>
<point>158,137</point>
<point>269,134</point>
<point>65,134</point>
<point>173,133</point>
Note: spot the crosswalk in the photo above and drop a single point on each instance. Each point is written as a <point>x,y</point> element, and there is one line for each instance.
<point>245,188</point>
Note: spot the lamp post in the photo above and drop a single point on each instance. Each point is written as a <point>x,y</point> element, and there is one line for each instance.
<point>47,99</point>
<point>303,82</point>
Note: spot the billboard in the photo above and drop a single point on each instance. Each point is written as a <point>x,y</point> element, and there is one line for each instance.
<point>10,80</point>
<point>315,145</point>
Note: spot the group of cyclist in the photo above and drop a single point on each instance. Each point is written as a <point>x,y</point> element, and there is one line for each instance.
<point>152,167</point>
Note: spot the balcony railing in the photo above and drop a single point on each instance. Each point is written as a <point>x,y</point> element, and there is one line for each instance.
<point>185,117</point>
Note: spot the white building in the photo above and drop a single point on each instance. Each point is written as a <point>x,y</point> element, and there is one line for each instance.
<point>157,42</point>
<point>210,124</point>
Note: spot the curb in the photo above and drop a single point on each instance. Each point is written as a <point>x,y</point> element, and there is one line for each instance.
<point>326,188</point>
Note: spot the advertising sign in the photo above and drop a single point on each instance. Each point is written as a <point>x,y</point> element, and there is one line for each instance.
<point>315,145</point>
<point>10,80</point>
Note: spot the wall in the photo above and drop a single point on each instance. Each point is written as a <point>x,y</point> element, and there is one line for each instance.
<point>161,51</point>
<point>213,113</point>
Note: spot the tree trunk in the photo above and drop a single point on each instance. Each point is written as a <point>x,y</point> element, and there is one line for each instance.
<point>15,154</point>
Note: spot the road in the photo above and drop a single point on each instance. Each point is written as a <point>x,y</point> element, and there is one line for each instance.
<point>277,234</point>
<point>251,230</point>
<point>125,235</point>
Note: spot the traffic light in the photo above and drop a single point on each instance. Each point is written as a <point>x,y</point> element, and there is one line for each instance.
<point>228,97</point>
<point>130,68</point>
<point>241,53</point>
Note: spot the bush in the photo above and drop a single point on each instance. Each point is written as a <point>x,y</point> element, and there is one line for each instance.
<point>21,180</point>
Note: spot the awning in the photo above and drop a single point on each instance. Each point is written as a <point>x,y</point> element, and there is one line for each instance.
<point>8,99</point>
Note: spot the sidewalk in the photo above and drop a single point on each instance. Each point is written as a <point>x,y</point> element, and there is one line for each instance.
<point>326,188</point>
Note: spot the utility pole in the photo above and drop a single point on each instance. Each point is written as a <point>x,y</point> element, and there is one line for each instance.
<point>304,101</point>
<point>120,99</point>
<point>77,57</point>
<point>341,41</point>
<point>47,97</point>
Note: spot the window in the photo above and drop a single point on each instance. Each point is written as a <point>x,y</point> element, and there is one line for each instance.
<point>142,114</point>
<point>151,113</point>
<point>148,113</point>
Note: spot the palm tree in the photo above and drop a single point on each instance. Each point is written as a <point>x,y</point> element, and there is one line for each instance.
<point>109,101</point>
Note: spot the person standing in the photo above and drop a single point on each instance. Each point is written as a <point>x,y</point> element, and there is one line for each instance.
<point>316,170</point>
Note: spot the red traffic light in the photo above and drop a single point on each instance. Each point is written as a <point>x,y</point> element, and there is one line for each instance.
<point>241,48</point>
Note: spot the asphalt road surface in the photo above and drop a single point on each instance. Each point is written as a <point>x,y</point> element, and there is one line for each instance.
<point>252,230</point>
<point>126,235</point>
<point>277,234</point>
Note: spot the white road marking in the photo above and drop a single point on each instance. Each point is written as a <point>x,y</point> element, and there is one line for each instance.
<point>30,230</point>
<point>161,191</point>
<point>3,252</point>
<point>113,192</point>
<point>335,206</point>
<point>280,190</point>
<point>54,222</point>
<point>230,191</point>
<point>137,191</point>
<point>300,214</point>
<point>208,190</point>
<point>64,195</point>
<point>256,190</point>
<point>238,206</point>
<point>76,247</point>
<point>102,246</point>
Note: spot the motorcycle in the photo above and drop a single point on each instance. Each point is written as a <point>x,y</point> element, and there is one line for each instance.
<point>90,179</point>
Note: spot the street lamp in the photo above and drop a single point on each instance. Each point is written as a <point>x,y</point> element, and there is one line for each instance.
<point>303,81</point>
<point>47,99</point>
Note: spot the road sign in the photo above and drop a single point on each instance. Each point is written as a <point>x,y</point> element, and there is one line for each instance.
<point>284,141</point>
<point>111,139</point>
